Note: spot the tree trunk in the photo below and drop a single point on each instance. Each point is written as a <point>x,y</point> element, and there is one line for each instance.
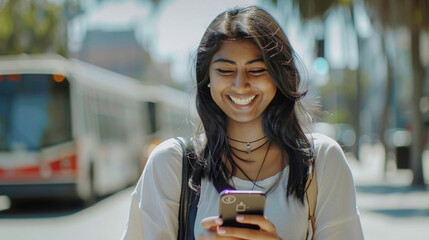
<point>356,107</point>
<point>384,120</point>
<point>418,128</point>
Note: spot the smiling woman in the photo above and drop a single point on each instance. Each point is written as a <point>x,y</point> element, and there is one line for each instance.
<point>252,138</point>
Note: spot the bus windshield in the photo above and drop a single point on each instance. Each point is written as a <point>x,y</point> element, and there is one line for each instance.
<point>34,111</point>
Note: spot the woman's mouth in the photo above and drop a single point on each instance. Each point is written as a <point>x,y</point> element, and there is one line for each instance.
<point>242,101</point>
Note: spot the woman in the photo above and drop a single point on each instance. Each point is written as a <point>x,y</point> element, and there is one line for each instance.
<point>248,100</point>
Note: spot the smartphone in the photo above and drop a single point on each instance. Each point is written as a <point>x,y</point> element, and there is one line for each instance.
<point>238,202</point>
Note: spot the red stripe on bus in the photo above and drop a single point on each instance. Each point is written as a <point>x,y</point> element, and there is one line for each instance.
<point>56,167</point>
<point>33,169</point>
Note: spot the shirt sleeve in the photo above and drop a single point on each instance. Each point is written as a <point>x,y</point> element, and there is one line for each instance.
<point>336,213</point>
<point>155,200</point>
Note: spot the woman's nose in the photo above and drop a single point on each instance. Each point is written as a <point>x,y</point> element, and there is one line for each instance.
<point>240,82</point>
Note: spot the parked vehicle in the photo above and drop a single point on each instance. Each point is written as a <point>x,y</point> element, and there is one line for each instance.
<point>71,129</point>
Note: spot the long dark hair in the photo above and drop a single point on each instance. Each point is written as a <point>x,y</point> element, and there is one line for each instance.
<point>281,123</point>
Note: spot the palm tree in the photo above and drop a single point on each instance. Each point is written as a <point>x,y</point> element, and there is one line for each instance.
<point>318,10</point>
<point>412,15</point>
<point>391,14</point>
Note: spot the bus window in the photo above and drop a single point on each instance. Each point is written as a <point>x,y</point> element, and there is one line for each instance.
<point>4,109</point>
<point>111,120</point>
<point>151,106</point>
<point>34,112</point>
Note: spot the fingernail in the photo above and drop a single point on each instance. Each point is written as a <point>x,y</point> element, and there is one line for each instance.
<point>218,220</point>
<point>221,230</point>
<point>239,218</point>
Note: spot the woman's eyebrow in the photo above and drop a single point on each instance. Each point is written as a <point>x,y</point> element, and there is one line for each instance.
<point>220,59</point>
<point>255,60</point>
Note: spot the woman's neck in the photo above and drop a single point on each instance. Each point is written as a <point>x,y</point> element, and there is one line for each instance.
<point>239,135</point>
<point>245,132</point>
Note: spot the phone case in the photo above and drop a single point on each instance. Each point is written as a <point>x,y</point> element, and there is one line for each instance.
<point>237,202</point>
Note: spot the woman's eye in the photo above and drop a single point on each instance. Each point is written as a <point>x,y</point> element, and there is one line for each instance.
<point>257,72</point>
<point>224,71</point>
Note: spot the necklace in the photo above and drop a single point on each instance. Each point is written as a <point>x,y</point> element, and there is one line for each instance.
<point>248,146</point>
<point>260,169</point>
<point>249,151</point>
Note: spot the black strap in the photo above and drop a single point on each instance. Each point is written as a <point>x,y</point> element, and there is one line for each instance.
<point>188,199</point>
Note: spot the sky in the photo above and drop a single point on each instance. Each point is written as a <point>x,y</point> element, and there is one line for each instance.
<point>181,26</point>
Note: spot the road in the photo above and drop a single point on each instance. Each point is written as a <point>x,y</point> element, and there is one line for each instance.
<point>390,208</point>
<point>104,220</point>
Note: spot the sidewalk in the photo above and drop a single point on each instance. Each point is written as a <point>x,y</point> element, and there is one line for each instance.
<point>390,208</point>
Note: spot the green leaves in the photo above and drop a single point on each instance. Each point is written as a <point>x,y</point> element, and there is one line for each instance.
<point>32,27</point>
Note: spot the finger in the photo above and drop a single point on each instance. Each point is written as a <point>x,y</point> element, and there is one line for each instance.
<point>259,220</point>
<point>210,223</point>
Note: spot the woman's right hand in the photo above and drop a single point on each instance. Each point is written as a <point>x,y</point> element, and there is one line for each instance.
<point>212,225</point>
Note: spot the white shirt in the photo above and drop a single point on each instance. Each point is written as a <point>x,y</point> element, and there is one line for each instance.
<point>155,201</point>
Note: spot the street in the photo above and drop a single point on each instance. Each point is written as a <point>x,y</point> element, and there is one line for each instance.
<point>104,220</point>
<point>389,208</point>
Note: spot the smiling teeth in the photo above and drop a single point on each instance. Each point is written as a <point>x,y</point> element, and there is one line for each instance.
<point>242,101</point>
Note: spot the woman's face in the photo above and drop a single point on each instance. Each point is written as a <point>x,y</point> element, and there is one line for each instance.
<point>240,83</point>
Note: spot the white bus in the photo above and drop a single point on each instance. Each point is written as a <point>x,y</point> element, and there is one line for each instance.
<point>71,129</point>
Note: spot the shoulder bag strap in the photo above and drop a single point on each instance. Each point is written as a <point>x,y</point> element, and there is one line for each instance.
<point>311,196</point>
<point>185,231</point>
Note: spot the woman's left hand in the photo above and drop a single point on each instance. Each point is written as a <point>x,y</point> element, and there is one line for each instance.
<point>267,229</point>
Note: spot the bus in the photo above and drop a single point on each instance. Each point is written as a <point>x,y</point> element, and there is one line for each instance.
<point>69,129</point>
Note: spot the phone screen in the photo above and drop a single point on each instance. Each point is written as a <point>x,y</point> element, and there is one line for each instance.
<point>238,202</point>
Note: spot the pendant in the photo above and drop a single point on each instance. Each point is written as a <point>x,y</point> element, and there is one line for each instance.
<point>248,146</point>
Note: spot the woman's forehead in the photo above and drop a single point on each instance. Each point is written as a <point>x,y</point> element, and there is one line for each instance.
<point>238,51</point>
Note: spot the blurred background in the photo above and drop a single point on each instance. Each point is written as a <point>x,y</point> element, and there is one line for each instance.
<point>88,88</point>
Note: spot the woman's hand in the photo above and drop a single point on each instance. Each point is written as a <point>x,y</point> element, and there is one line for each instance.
<point>213,224</point>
